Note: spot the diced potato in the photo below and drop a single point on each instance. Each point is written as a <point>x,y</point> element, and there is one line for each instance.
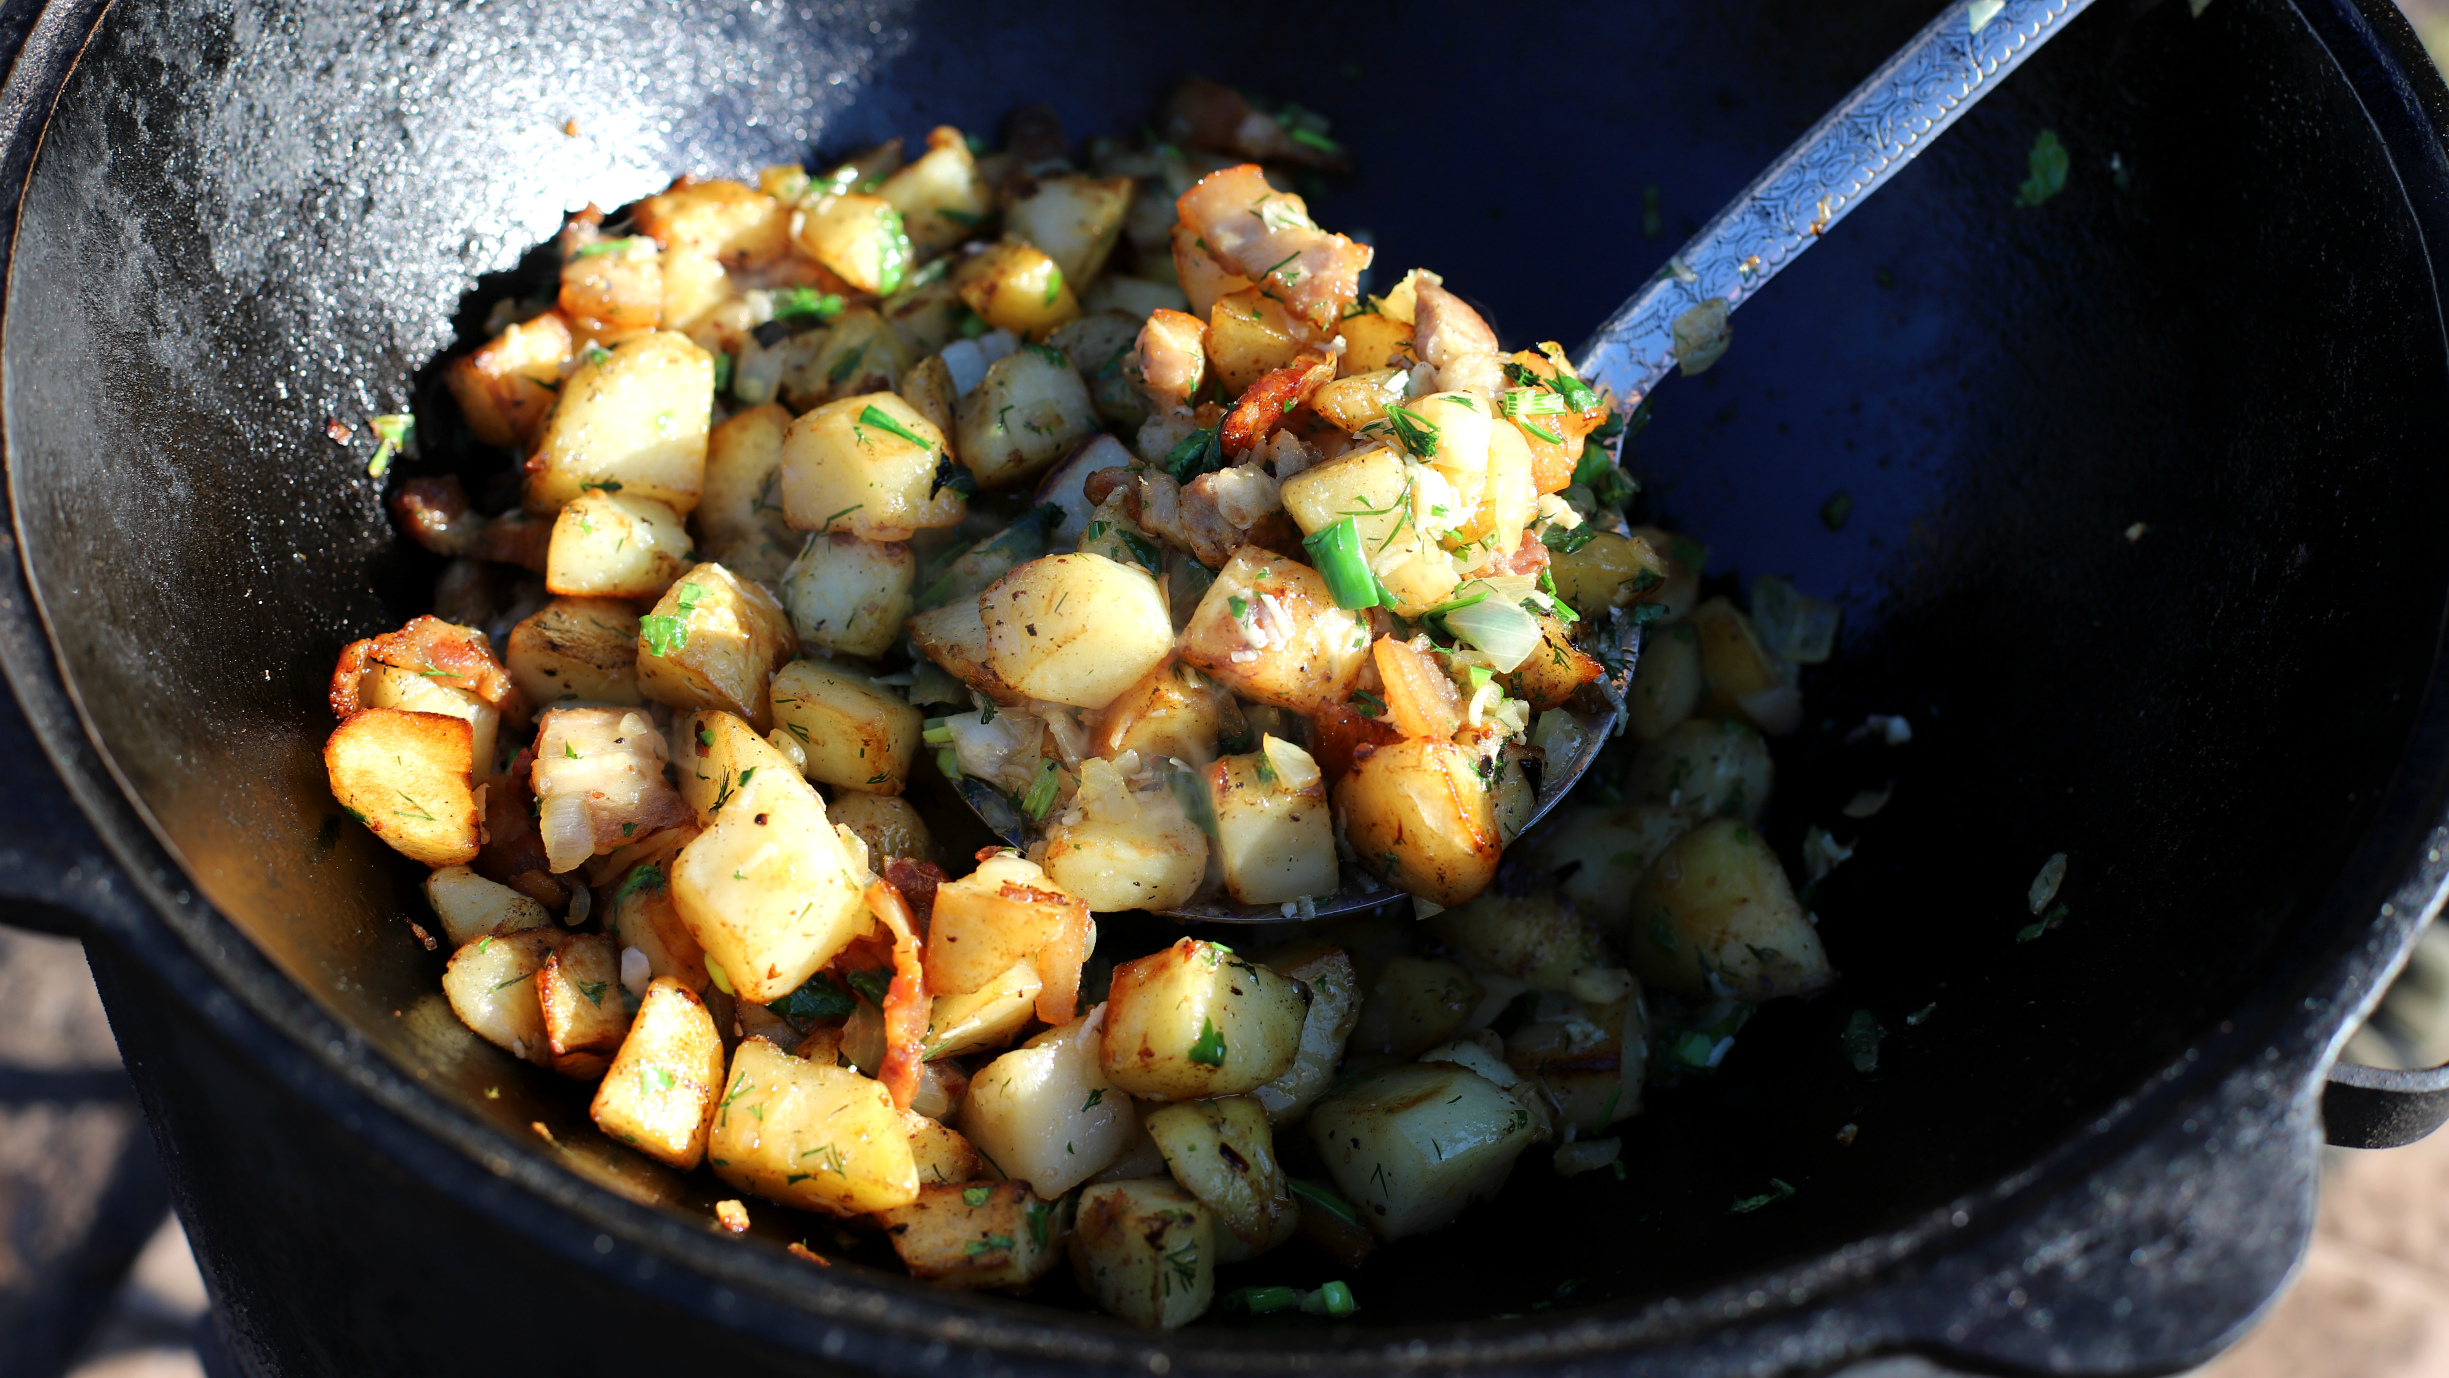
<point>1124,847</point>
<point>861,355</point>
<point>1419,581</point>
<point>708,228</point>
<point>1030,410</point>
<point>768,890</point>
<point>940,195</point>
<point>713,642</point>
<point>612,289</point>
<point>1511,497</point>
<point>598,780</point>
<point>1204,281</point>
<point>1421,700</point>
<point>740,512</point>
<point>586,1013</point>
<point>1460,421</point>
<point>1372,486</point>
<point>1743,679</point>
<point>1076,629</point>
<point>1275,837</point>
<point>1414,1004</point>
<point>1412,1146</point>
<point>638,418</point>
<point>1584,1059</point>
<point>1196,1020</point>
<point>1313,650</point>
<point>1373,342</point>
<point>954,637</point>
<point>1099,345</point>
<point>1145,1250</point>
<point>1550,675</point>
<point>860,238</point>
<point>850,595</point>
<point>611,545</point>
<point>1173,712</point>
<point>471,906</point>
<point>1417,813</point>
<point>1685,560</point>
<point>1532,938</point>
<point>1335,1008</point>
<point>1046,1114</point>
<point>995,916</point>
<point>1360,399</point>
<point>1716,913</point>
<point>1018,288</point>
<point>1608,571</point>
<point>407,778</point>
<point>1706,769</point>
<point>1223,1152</point>
<point>986,1018</point>
<point>1138,298</point>
<point>888,824</point>
<point>720,753</point>
<point>491,986</point>
<point>410,691</point>
<point>1596,857</point>
<point>840,466</point>
<point>506,388</point>
<point>1667,682</point>
<point>858,735</point>
<point>979,1235</point>
<point>818,1138</point>
<point>577,651</point>
<point>659,1095</point>
<point>940,1153</point>
<point>1249,334</point>
<point>644,917</point>
<point>1074,219</point>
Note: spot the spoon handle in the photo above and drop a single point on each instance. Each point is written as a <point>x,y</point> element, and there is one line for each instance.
<point>1915,95</point>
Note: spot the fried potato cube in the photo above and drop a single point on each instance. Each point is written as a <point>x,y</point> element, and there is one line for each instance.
<point>659,1095</point>
<point>1597,857</point>
<point>1335,1007</point>
<point>888,824</point>
<point>860,355</point>
<point>1030,411</point>
<point>978,1235</point>
<point>719,755</point>
<point>1413,1004</point>
<point>612,289</point>
<point>598,778</point>
<point>1373,342</point>
<point>1073,219</point>
<point>1716,912</point>
<point>940,1152</point>
<point>577,651</point>
<point>1667,684</point>
<point>1223,1152</point>
<point>637,418</point>
<point>1534,938</point>
<point>1360,399</point>
<point>1124,846</point>
<point>1196,1020</point>
<point>1249,334</point>
<point>644,917</point>
<point>988,1017</point>
<point>1017,287</point>
<point>507,387</point>
<point>1705,768</point>
<point>406,776</point>
<point>954,637</point>
<point>491,985</point>
<point>586,1013</point>
<point>1268,630</point>
<point>1608,571</point>
<point>714,641</point>
<point>1146,1251</point>
<point>1173,712</point>
<point>1372,486</point>
<point>942,198</point>
<point>707,229</point>
<point>1003,912</point>
<point>768,889</point>
<point>470,906</point>
<point>612,545</point>
<point>1412,1146</point>
<point>1743,679</point>
<point>1275,836</point>
<point>858,735</point>
<point>409,691</point>
<point>850,595</point>
<point>1076,629</point>
<point>806,1135</point>
<point>740,511</point>
<point>1550,674</point>
<point>845,469</point>
<point>860,238</point>
<point>1417,813</point>
<point>1046,1114</point>
<point>1584,1061</point>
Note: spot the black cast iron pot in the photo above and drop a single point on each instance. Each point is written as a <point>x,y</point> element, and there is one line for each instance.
<point>2097,1149</point>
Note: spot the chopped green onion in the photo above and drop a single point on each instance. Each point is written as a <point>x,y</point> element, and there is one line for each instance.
<point>395,432</point>
<point>938,733</point>
<point>1333,1299</point>
<point>1313,139</point>
<point>1556,601</point>
<point>1458,604</point>
<point>1578,395</point>
<point>1042,790</point>
<point>722,373</point>
<point>1336,552</point>
<point>798,303</point>
<point>1502,631</point>
<point>893,253</point>
<point>1552,437</point>
<point>1260,1301</point>
<point>948,763</point>
<point>612,246</point>
<point>1521,402</point>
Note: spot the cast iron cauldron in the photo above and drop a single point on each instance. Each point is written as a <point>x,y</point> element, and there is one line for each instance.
<point>2097,1150</point>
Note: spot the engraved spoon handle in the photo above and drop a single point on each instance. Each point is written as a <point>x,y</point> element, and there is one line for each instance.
<point>1859,144</point>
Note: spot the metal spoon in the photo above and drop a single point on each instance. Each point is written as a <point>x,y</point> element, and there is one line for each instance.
<point>1859,144</point>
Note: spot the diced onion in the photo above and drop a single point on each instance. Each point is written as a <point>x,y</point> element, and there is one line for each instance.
<point>1559,736</point>
<point>567,832</point>
<point>1587,1155</point>
<point>1791,625</point>
<point>636,972</point>
<point>1336,553</point>
<point>1296,769</point>
<point>1501,631</point>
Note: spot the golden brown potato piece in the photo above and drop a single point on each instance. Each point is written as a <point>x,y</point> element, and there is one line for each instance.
<point>976,1235</point>
<point>1716,912</point>
<point>714,641</point>
<point>1269,630</point>
<point>1145,1250</point>
<point>1197,1020</point>
<point>406,776</point>
<point>577,650</point>
<point>659,1095</point>
<point>819,1138</point>
<point>586,1013</point>
<point>508,386</point>
<point>1417,813</point>
<point>636,418</point>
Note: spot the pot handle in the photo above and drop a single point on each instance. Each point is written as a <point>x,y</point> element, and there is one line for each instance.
<point>2382,1107</point>
<point>51,862</point>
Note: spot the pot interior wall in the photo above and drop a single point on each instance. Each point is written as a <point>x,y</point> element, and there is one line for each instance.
<point>249,219</point>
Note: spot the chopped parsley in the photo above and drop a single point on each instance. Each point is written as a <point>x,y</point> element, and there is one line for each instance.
<point>1208,1050</point>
